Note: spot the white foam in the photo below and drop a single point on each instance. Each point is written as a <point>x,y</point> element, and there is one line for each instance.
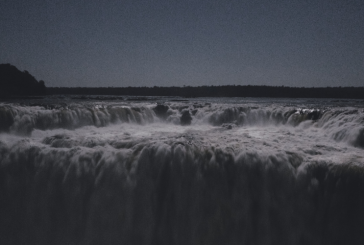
<point>256,174</point>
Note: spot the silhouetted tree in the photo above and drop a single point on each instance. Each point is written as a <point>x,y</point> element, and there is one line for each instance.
<point>13,82</point>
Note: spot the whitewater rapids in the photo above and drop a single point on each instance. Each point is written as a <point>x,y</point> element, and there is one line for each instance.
<point>200,171</point>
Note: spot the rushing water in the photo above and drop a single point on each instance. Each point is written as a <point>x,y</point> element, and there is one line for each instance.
<point>166,171</point>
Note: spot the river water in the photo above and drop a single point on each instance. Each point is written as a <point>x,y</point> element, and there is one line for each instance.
<point>165,170</point>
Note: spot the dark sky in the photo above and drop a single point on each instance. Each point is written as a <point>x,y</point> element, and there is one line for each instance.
<point>185,42</point>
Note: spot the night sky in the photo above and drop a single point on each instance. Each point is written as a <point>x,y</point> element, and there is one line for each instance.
<point>186,42</point>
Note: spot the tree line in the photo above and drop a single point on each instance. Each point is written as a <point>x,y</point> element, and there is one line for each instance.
<point>218,91</point>
<point>14,82</point>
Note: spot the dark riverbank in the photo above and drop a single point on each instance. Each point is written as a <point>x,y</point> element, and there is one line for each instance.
<point>217,91</point>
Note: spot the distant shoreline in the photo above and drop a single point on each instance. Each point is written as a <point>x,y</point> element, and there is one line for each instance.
<point>216,91</point>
